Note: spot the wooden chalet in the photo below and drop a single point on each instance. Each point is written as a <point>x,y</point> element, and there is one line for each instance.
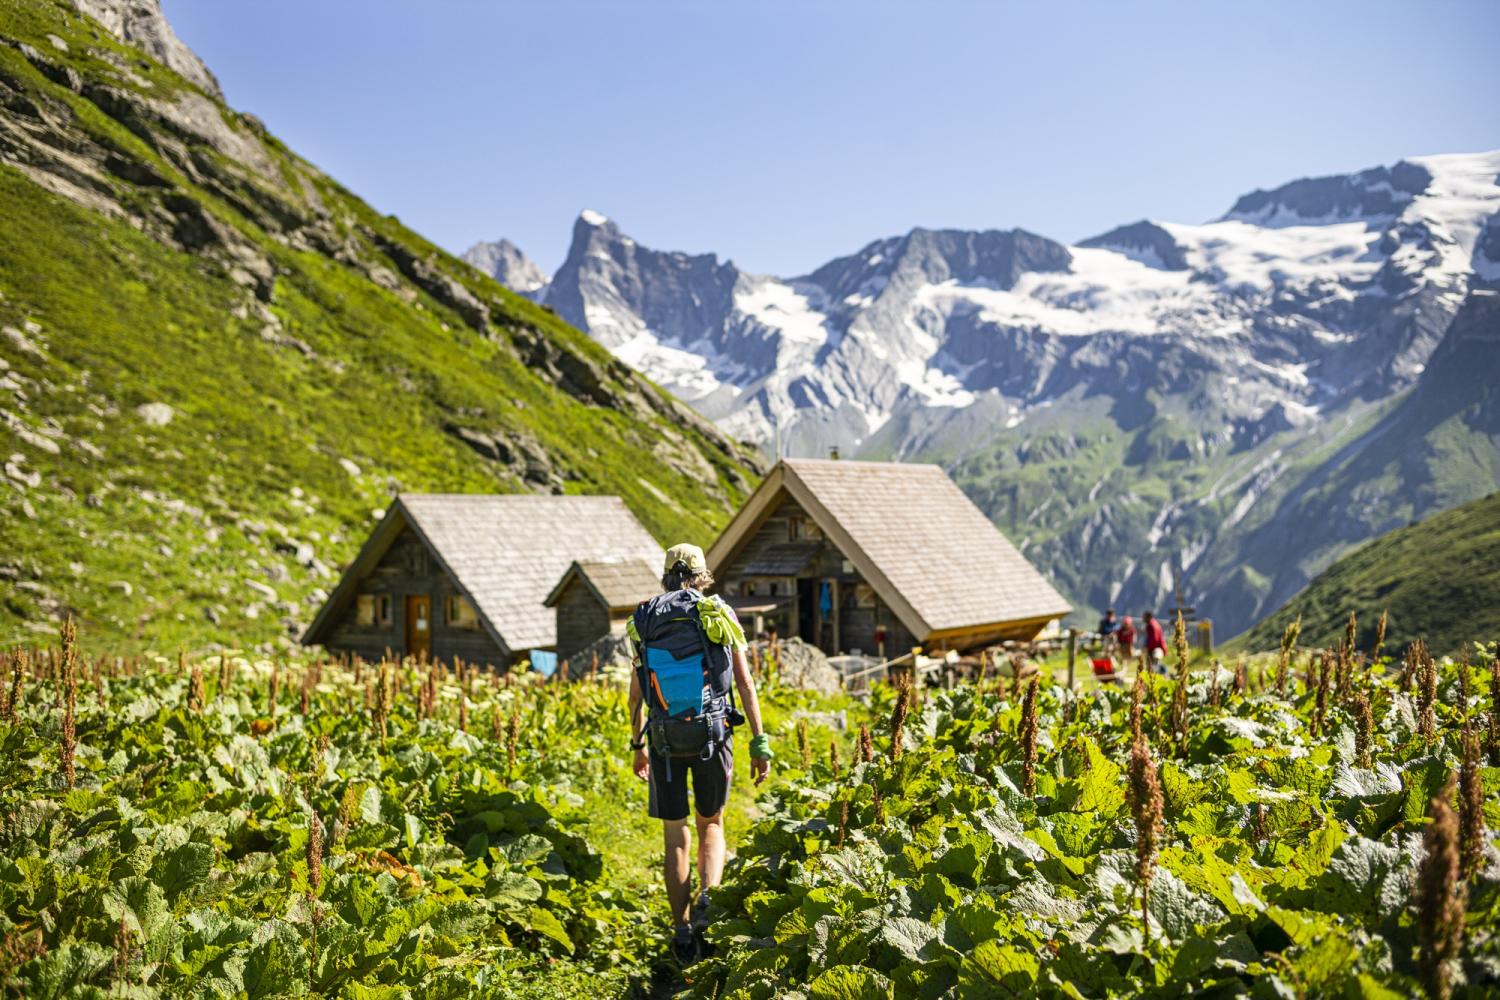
<point>596,597</point>
<point>876,557</point>
<point>465,575</point>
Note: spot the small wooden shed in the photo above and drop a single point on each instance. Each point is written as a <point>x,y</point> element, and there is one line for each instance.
<point>465,575</point>
<point>876,557</point>
<point>597,597</point>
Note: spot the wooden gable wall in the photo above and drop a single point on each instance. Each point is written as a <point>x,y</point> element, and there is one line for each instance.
<point>409,568</point>
<point>858,614</point>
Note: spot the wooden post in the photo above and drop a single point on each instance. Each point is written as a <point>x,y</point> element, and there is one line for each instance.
<point>1072,654</point>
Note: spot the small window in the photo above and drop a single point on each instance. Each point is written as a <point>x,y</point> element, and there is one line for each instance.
<point>461,612</point>
<point>750,589</point>
<point>799,528</point>
<point>364,610</point>
<point>382,609</point>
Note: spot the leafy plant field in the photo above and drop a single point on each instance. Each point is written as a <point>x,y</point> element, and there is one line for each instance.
<point>1206,835</point>
<point>207,826</point>
<point>222,827</point>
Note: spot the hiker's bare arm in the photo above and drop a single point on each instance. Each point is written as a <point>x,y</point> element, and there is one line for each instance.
<point>642,764</point>
<point>746,685</point>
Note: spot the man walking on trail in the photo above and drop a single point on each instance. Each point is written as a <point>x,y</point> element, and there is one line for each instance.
<point>689,661</point>
<point>1154,642</point>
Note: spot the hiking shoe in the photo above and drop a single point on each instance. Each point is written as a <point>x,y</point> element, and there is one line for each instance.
<point>684,946</point>
<point>699,921</point>
<point>699,925</point>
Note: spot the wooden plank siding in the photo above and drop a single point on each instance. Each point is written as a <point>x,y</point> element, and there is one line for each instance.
<point>582,619</point>
<point>858,622</point>
<point>407,567</point>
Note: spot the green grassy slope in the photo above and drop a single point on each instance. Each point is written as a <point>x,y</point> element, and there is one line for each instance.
<point>314,354</point>
<point>1439,578</point>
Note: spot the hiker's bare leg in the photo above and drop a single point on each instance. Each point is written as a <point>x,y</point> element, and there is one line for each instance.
<point>710,850</point>
<point>675,867</point>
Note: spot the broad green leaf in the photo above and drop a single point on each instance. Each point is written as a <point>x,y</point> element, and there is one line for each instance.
<point>184,870</point>
<point>909,936</point>
<point>994,964</point>
<point>412,828</point>
<point>848,983</point>
<point>544,923</point>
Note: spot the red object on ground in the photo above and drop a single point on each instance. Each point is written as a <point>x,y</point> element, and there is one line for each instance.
<point>1103,667</point>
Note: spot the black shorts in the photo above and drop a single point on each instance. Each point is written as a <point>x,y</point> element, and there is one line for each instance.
<point>669,783</point>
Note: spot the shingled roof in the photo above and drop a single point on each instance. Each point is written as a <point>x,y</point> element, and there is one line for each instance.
<point>504,552</point>
<point>619,584</point>
<point>930,554</point>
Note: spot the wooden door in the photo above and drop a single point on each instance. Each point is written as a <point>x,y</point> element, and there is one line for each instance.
<point>418,625</point>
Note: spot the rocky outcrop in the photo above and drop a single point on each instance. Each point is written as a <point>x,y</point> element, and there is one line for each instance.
<point>141,23</point>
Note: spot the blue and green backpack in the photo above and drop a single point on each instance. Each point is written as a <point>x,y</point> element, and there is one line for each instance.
<point>686,679</point>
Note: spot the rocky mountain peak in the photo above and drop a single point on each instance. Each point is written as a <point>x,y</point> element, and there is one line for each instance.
<point>141,23</point>
<point>504,261</point>
<point>1144,242</point>
<point>615,288</point>
<point>1380,192</point>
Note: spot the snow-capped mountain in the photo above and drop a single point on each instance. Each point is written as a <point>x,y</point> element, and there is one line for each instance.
<point>1276,330</point>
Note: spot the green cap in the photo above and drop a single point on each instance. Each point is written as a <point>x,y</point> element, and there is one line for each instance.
<point>689,555</point>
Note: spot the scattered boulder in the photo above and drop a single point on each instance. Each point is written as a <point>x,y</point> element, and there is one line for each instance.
<point>264,590</point>
<point>16,471</point>
<point>23,342</point>
<point>122,587</point>
<point>155,414</point>
<point>615,653</point>
<point>803,665</point>
<point>349,467</point>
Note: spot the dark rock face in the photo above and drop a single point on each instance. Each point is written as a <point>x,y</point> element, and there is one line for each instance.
<point>1143,241</point>
<point>668,292</point>
<point>1377,192</point>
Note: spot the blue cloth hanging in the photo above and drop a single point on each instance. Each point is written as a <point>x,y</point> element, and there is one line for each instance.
<point>543,662</point>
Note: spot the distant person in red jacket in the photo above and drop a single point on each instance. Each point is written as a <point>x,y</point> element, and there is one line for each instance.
<point>1155,642</point>
<point>1125,635</point>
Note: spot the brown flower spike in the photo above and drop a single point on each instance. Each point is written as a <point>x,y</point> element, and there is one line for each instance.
<point>1144,796</point>
<point>1288,640</point>
<point>898,719</point>
<point>1440,899</point>
<point>1471,806</point>
<point>1028,740</point>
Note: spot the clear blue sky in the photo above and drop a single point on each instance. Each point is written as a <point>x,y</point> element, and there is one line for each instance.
<point>781,134</point>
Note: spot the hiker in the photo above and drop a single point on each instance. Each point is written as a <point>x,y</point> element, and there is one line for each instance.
<point>1154,643</point>
<point>1108,626</point>
<point>1125,636</point>
<point>689,660</point>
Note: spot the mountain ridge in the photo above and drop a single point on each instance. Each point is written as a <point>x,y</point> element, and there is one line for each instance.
<point>1255,346</point>
<point>1436,577</point>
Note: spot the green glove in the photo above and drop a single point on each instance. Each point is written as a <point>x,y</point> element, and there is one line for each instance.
<point>760,747</point>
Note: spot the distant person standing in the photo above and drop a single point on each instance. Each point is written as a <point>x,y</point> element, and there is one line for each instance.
<point>1108,625</point>
<point>1125,636</point>
<point>1155,642</point>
